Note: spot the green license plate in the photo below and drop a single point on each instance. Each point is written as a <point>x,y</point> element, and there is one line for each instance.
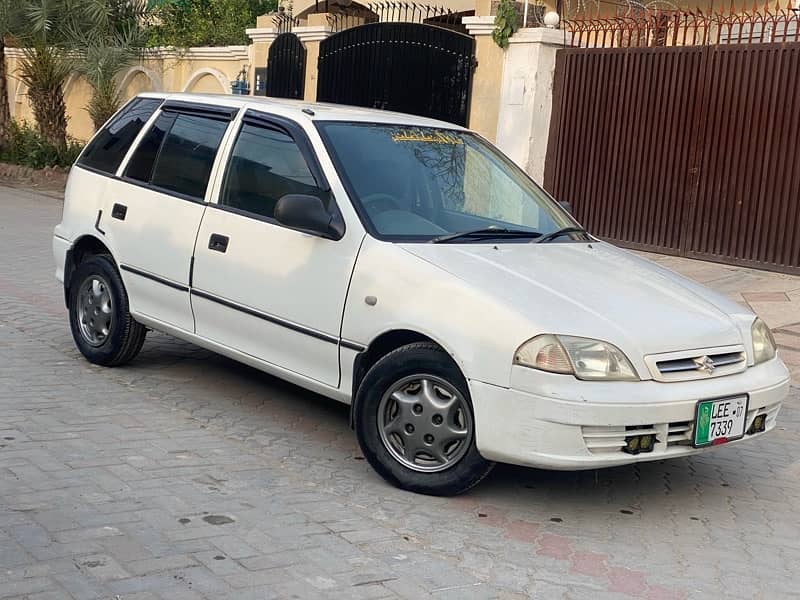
<point>720,420</point>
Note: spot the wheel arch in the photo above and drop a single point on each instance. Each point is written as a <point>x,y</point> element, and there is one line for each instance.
<point>379,347</point>
<point>86,245</point>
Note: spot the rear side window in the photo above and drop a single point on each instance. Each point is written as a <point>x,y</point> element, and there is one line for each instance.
<point>107,149</point>
<point>266,164</point>
<point>177,153</point>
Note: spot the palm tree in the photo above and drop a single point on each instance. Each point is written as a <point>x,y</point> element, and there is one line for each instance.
<point>96,38</point>
<point>6,19</point>
<point>42,31</point>
<point>112,39</point>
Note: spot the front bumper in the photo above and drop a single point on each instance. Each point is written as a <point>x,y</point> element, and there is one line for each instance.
<point>553,432</point>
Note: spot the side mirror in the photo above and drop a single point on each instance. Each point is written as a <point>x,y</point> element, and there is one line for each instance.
<point>307,213</point>
<point>567,206</point>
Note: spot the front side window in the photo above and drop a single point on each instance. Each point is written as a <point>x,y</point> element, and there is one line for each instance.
<point>422,183</point>
<point>177,153</point>
<point>107,149</point>
<point>266,164</point>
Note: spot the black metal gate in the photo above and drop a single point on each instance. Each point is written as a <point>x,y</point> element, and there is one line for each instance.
<point>286,67</point>
<point>407,67</point>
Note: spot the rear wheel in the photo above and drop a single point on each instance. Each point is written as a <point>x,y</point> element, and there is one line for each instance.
<point>102,327</point>
<point>415,423</point>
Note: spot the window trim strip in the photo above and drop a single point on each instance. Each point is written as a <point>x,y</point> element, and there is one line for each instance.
<point>222,113</point>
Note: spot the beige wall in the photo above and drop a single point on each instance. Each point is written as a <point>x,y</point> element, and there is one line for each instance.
<point>202,70</point>
<point>486,80</point>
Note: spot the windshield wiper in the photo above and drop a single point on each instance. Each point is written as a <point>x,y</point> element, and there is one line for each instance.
<point>485,232</point>
<point>557,234</point>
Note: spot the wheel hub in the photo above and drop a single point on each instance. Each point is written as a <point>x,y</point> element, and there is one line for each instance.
<point>95,310</point>
<point>425,423</point>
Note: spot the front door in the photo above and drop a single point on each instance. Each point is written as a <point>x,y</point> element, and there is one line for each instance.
<point>155,209</point>
<point>271,292</point>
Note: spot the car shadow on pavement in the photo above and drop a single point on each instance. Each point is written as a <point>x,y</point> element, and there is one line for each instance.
<point>233,396</point>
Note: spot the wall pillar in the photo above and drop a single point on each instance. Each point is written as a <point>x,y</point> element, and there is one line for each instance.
<point>312,35</point>
<point>486,79</point>
<point>262,35</point>
<point>526,97</point>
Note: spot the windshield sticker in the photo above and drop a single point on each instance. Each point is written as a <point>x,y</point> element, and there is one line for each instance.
<point>406,135</point>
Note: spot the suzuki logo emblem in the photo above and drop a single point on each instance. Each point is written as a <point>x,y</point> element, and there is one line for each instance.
<point>704,363</point>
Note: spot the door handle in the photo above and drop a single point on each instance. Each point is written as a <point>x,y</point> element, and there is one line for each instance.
<point>218,242</point>
<point>119,211</point>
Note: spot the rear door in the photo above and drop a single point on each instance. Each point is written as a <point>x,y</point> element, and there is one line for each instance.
<point>156,206</point>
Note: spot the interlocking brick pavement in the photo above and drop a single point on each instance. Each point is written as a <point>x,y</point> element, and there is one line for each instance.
<point>186,475</point>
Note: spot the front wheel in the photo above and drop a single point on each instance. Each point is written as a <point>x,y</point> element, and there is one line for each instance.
<point>102,327</point>
<point>415,423</point>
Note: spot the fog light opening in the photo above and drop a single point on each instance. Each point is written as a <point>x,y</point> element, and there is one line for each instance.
<point>634,444</point>
<point>759,425</point>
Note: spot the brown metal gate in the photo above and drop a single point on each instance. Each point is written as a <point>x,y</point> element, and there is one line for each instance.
<point>690,150</point>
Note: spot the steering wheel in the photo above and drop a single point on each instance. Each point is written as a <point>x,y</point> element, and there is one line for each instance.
<point>379,202</point>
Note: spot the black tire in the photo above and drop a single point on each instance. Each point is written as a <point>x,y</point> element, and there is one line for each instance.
<point>408,361</point>
<point>125,336</point>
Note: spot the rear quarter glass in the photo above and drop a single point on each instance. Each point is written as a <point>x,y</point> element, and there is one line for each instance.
<point>107,149</point>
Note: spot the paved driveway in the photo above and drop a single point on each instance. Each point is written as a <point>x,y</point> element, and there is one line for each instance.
<point>185,475</point>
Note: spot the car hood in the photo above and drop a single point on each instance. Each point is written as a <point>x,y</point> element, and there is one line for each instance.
<point>595,290</point>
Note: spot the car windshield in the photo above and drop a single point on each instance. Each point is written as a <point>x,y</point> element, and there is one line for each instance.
<point>427,184</point>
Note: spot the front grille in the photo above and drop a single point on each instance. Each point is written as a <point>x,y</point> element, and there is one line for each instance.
<point>601,440</point>
<point>611,439</point>
<point>697,364</point>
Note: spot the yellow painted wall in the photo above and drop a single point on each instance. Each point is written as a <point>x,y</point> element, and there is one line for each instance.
<point>485,99</point>
<point>171,73</point>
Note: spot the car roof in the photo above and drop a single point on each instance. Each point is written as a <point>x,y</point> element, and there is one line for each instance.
<point>300,110</point>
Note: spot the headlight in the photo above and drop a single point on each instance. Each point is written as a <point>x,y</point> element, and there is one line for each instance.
<point>583,357</point>
<point>764,348</point>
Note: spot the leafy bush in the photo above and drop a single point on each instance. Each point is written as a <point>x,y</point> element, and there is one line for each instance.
<point>186,23</point>
<point>506,23</point>
<point>27,147</point>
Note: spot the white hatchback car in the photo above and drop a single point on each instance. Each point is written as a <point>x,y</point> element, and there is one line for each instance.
<point>406,267</point>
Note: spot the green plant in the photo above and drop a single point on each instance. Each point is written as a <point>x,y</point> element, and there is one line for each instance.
<point>8,10</point>
<point>186,23</point>
<point>96,38</point>
<point>506,23</point>
<point>26,146</point>
<point>115,40</point>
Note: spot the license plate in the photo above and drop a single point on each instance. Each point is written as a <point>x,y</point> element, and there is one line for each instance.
<point>719,421</point>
